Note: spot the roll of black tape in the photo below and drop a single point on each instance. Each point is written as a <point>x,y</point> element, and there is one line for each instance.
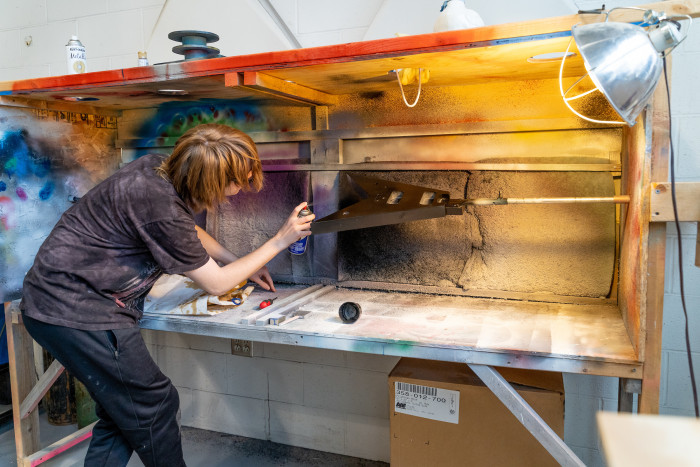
<point>350,312</point>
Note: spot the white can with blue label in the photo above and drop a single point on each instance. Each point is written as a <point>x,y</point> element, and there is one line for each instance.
<point>299,247</point>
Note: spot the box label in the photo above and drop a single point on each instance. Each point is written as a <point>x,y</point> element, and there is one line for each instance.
<point>426,402</point>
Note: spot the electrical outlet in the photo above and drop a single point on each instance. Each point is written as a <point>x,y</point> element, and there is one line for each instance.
<point>242,348</point>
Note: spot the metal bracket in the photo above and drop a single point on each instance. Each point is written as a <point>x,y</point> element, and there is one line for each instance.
<point>385,203</point>
<point>625,395</point>
<point>526,415</point>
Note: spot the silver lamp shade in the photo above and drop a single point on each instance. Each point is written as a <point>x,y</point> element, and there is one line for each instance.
<point>622,62</point>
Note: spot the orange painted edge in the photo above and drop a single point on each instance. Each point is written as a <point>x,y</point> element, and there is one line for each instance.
<point>380,48</point>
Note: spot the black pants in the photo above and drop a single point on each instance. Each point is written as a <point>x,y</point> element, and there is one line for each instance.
<point>137,404</point>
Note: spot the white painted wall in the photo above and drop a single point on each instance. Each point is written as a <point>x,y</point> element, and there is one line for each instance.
<point>243,27</point>
<point>113,31</point>
<point>330,400</point>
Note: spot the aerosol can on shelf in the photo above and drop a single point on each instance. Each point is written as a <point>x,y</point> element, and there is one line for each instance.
<point>143,58</point>
<point>75,56</point>
<point>299,247</point>
<point>454,14</point>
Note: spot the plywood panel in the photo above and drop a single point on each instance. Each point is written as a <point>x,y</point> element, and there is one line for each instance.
<point>514,102</point>
<point>447,68</point>
<point>591,146</point>
<point>687,195</point>
<point>635,180</point>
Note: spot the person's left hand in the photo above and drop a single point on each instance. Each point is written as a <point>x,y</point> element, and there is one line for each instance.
<point>263,279</point>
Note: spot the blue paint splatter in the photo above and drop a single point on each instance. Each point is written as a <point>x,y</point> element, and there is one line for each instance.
<point>41,166</point>
<point>46,191</point>
<point>18,160</point>
<point>175,118</point>
<point>3,186</point>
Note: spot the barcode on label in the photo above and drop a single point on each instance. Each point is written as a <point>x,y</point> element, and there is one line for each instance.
<point>428,391</point>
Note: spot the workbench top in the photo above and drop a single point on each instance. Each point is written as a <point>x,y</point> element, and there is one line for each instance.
<point>585,338</point>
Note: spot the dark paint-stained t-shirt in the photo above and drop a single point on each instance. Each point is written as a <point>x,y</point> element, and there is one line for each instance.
<point>97,265</point>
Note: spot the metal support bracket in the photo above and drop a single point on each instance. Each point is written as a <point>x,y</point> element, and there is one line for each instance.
<point>625,395</point>
<point>386,202</point>
<point>526,415</point>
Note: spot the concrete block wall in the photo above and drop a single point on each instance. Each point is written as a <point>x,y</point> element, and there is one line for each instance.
<point>113,31</point>
<point>585,396</point>
<point>319,22</point>
<point>319,399</point>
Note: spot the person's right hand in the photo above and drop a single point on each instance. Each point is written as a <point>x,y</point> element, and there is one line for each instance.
<point>295,228</point>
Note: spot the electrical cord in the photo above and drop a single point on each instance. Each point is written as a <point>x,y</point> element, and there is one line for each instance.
<point>680,247</point>
<point>420,76</point>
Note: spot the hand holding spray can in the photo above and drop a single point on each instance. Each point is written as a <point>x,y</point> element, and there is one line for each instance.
<point>299,247</point>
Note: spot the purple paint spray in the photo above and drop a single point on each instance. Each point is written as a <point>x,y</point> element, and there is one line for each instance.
<point>21,194</point>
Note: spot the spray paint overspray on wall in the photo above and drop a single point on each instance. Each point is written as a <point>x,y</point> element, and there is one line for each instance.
<point>172,119</point>
<point>45,157</point>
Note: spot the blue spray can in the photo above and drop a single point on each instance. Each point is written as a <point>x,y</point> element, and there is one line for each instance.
<point>299,247</point>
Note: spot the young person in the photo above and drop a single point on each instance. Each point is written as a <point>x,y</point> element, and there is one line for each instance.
<point>84,295</point>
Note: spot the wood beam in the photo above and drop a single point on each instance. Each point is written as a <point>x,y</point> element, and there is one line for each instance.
<point>40,389</point>
<point>262,83</point>
<point>687,196</point>
<point>22,379</point>
<point>60,446</point>
<point>657,127</point>
<point>676,7</point>
<point>23,102</point>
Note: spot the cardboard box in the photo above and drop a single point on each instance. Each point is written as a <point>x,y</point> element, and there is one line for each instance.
<point>443,415</point>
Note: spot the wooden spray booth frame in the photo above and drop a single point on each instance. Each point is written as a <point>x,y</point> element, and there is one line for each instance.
<point>491,95</point>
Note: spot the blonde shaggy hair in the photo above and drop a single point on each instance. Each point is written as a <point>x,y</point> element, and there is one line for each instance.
<point>206,159</point>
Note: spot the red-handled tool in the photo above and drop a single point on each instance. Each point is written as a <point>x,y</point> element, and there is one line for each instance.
<point>266,303</point>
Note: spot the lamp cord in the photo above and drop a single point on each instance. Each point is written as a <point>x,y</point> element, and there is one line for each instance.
<point>420,73</point>
<point>680,247</point>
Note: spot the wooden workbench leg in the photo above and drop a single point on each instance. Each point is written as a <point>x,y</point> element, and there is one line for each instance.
<point>527,415</point>
<point>22,380</point>
<point>651,379</point>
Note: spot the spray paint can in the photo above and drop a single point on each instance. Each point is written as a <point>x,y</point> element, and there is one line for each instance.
<point>75,56</point>
<point>143,58</point>
<point>299,247</point>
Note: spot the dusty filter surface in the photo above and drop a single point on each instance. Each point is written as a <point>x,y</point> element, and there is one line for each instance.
<point>566,249</point>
